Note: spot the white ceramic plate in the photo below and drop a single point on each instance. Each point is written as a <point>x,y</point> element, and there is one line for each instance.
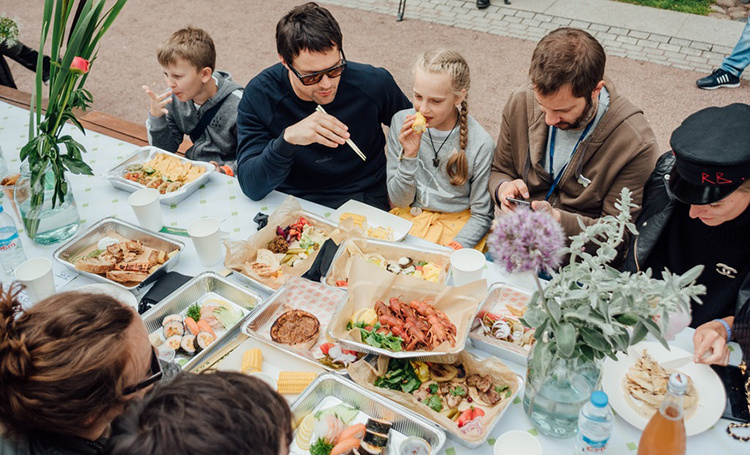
<point>111,290</point>
<point>274,361</point>
<point>711,394</point>
<point>376,217</point>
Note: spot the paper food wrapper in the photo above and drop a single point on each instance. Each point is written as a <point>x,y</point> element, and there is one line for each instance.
<point>503,301</point>
<point>358,247</point>
<point>369,283</point>
<point>240,253</point>
<point>301,294</point>
<point>364,374</point>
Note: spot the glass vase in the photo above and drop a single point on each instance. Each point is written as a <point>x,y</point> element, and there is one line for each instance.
<point>555,390</point>
<point>43,223</point>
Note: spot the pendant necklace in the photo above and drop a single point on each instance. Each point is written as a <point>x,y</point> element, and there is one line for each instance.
<point>436,161</point>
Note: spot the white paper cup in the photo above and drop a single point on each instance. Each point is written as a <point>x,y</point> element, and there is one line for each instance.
<point>517,442</point>
<point>147,208</point>
<point>36,275</point>
<point>467,265</point>
<point>207,240</point>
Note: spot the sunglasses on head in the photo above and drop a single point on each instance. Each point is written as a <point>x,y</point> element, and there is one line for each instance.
<point>313,78</point>
<point>156,375</point>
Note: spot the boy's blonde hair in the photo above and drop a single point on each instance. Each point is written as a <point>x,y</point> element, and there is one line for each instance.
<point>451,63</point>
<point>192,44</point>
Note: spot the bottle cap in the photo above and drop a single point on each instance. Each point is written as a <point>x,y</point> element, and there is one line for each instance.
<point>678,383</point>
<point>599,399</point>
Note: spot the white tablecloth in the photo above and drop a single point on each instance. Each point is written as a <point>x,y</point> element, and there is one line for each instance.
<point>222,198</point>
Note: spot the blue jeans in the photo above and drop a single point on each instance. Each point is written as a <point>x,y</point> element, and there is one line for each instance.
<point>740,56</point>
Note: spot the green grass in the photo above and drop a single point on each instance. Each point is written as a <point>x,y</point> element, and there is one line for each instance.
<point>701,7</point>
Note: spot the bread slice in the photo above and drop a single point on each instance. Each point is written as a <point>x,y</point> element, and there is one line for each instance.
<point>96,265</point>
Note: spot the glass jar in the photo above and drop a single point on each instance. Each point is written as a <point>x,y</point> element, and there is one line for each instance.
<point>43,223</point>
<point>556,389</point>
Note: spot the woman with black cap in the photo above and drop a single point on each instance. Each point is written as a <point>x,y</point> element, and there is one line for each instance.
<point>695,211</point>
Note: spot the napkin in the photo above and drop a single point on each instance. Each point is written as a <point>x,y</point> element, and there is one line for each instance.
<point>162,288</point>
<point>322,261</point>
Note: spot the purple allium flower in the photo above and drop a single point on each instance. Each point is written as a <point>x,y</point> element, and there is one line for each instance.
<point>526,241</point>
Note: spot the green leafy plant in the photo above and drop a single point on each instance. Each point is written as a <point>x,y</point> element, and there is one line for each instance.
<point>70,63</point>
<point>590,310</point>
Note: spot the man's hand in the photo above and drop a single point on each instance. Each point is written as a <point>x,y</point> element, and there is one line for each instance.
<point>544,206</point>
<point>516,189</point>
<point>408,139</point>
<point>158,102</point>
<point>317,128</point>
<point>711,337</point>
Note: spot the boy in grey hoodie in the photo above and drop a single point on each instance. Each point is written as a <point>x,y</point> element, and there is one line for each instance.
<point>199,102</point>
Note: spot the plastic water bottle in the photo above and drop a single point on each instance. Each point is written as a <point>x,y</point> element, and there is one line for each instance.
<point>594,425</point>
<point>11,249</point>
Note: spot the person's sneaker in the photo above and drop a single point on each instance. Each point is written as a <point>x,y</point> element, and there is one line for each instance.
<point>719,78</point>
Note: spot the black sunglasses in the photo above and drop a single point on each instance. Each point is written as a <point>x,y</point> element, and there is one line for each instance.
<point>156,375</point>
<point>313,78</point>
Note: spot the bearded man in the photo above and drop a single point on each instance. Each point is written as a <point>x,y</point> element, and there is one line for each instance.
<point>569,142</point>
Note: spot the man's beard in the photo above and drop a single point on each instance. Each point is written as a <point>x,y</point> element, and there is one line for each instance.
<point>588,113</point>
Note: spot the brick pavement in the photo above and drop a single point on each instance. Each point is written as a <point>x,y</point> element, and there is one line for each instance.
<point>516,22</point>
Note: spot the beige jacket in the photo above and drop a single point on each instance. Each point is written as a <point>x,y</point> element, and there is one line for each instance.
<point>620,152</point>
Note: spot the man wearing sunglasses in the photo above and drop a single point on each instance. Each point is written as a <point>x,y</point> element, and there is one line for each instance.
<point>285,143</point>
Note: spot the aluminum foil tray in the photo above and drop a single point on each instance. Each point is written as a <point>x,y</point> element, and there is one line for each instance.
<point>405,422</point>
<point>262,316</point>
<point>498,348</point>
<point>144,154</point>
<point>241,277</point>
<point>191,292</point>
<point>442,255</point>
<point>73,248</point>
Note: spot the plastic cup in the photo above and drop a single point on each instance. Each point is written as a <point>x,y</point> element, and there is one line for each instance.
<point>517,442</point>
<point>467,265</point>
<point>36,275</point>
<point>147,208</point>
<point>207,240</point>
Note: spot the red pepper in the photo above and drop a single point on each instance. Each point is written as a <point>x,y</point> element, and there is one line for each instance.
<point>469,415</point>
<point>342,283</point>
<point>325,347</point>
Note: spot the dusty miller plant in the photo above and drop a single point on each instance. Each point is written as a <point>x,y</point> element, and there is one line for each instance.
<point>590,310</point>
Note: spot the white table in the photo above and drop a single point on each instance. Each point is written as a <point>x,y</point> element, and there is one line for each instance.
<point>222,198</point>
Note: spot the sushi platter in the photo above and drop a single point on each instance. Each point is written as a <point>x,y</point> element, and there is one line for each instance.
<point>194,322</point>
<point>343,415</point>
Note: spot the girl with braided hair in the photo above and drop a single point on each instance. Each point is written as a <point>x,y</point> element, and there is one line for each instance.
<point>437,176</point>
<point>68,366</point>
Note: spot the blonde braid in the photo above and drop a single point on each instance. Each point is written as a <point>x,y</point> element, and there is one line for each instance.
<point>457,166</point>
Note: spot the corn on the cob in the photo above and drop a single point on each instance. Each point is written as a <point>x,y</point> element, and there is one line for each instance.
<point>293,382</point>
<point>252,361</point>
<point>359,220</point>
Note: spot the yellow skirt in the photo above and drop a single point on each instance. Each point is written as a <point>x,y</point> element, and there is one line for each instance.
<point>437,227</point>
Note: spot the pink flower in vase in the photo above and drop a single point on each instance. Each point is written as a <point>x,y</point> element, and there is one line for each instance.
<point>526,241</point>
<point>79,66</point>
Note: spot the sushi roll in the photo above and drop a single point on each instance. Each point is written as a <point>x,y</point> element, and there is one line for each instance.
<point>187,344</point>
<point>202,340</point>
<point>173,328</point>
<point>174,342</point>
<point>378,426</point>
<point>375,439</point>
<point>368,449</point>
<point>172,318</point>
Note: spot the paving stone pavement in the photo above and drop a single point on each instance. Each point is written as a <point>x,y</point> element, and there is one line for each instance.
<point>524,20</point>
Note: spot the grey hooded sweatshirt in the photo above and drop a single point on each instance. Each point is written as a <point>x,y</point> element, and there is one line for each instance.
<point>219,140</point>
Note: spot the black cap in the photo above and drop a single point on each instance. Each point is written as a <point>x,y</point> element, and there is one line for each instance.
<point>712,151</point>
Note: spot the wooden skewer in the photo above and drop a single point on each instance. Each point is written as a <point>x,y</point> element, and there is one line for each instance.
<point>348,141</point>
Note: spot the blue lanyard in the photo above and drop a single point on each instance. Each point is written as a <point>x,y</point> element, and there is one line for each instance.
<point>556,180</point>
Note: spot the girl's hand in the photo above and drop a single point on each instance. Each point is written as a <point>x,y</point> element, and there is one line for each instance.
<point>408,139</point>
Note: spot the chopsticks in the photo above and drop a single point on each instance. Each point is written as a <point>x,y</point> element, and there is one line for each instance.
<point>348,141</point>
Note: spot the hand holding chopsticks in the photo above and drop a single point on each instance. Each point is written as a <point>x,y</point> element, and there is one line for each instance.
<point>348,141</point>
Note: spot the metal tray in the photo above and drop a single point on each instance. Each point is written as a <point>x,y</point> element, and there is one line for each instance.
<point>190,293</point>
<point>263,314</point>
<point>144,154</point>
<point>99,230</point>
<point>398,250</point>
<point>267,289</point>
<point>498,348</point>
<point>404,421</point>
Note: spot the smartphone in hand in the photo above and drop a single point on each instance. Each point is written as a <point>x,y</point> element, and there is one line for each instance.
<point>519,202</point>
